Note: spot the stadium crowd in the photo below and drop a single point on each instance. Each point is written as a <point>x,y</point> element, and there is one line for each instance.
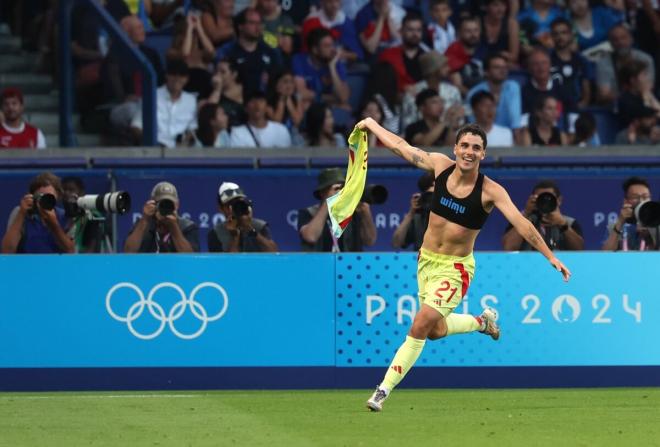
<point>265,73</point>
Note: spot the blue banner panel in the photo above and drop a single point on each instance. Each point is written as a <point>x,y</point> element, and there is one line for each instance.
<point>604,316</point>
<point>160,311</point>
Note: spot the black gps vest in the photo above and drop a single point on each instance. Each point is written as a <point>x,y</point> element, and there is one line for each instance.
<point>467,212</point>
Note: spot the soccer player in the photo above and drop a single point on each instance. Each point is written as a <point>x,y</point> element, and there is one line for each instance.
<point>462,201</point>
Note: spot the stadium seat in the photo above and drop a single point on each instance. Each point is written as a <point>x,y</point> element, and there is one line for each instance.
<point>161,42</point>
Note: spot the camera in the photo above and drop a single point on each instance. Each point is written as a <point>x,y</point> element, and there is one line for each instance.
<point>647,213</point>
<point>111,202</point>
<point>374,194</point>
<point>240,207</point>
<point>546,203</point>
<point>165,207</point>
<point>45,201</point>
<point>425,199</point>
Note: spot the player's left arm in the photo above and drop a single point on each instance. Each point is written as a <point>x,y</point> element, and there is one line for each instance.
<point>500,198</point>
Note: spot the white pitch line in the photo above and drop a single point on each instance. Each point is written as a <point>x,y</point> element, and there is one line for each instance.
<point>109,396</point>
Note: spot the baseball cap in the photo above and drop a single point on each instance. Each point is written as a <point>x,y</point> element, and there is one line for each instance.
<point>229,191</point>
<point>12,92</point>
<point>164,190</point>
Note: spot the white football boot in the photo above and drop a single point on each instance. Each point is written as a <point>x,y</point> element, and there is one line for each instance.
<point>488,316</point>
<point>375,402</point>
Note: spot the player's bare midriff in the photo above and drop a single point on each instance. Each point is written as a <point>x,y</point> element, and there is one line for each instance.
<point>448,238</point>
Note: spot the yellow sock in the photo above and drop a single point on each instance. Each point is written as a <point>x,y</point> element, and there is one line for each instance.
<point>402,362</point>
<point>462,323</point>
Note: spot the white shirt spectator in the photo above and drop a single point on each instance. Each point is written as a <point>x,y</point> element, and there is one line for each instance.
<point>174,117</point>
<point>499,136</point>
<point>440,37</point>
<point>273,135</point>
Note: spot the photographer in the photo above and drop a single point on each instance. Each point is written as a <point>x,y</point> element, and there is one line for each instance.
<point>627,233</point>
<point>240,232</point>
<point>412,227</point>
<point>543,210</point>
<point>161,229</point>
<point>37,225</point>
<point>88,230</point>
<point>314,224</point>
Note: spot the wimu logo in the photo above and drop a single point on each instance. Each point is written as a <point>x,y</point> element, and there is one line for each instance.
<point>455,207</point>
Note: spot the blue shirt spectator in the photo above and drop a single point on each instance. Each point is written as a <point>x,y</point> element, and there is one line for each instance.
<point>317,78</point>
<point>537,28</point>
<point>591,25</point>
<point>509,107</point>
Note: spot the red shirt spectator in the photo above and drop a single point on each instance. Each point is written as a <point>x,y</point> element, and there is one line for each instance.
<point>331,17</point>
<point>404,58</point>
<point>14,132</point>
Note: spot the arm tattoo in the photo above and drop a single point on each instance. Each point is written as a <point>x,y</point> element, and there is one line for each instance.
<point>417,160</point>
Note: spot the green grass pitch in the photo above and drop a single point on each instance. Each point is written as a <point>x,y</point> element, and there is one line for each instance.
<point>628,417</point>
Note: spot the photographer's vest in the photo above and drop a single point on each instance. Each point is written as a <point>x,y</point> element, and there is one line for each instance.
<point>350,239</point>
<point>468,212</point>
<point>225,237</point>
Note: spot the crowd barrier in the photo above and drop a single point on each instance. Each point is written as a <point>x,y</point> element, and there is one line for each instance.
<point>318,321</point>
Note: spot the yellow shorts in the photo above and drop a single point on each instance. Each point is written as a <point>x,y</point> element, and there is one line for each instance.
<point>443,280</point>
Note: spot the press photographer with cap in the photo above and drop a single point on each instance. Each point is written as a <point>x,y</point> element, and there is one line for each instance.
<point>36,225</point>
<point>161,229</point>
<point>314,224</point>
<point>240,232</point>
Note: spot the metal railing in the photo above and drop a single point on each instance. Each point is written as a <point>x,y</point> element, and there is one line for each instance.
<point>131,56</point>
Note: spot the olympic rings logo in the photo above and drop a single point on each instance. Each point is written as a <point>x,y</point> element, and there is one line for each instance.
<point>157,311</point>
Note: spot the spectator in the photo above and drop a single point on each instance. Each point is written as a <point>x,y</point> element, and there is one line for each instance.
<point>320,124</point>
<point>89,230</point>
<point>259,131</point>
<point>431,130</point>
<point>440,31</point>
<point>378,24</point>
<point>123,83</point>
<point>637,90</point>
<point>435,74</point>
<point>15,132</point>
<point>176,110</point>
<point>161,229</point>
<point>331,17</point>
<point>381,86</point>
<point>575,71</point>
<point>592,24</point>
<point>542,129</point>
<point>314,223</point>
<point>644,19</point>
<point>279,29</point>
<point>405,57</point>
<point>372,109</point>
<point>466,54</point>
<point>542,83</point>
<point>608,66</point>
<point>228,91</point>
<point>192,45</point>
<point>535,24</point>
<point>413,226</point>
<point>212,127</point>
<point>559,232</point>
<point>217,21</point>
<point>585,131</point>
<point>500,32</point>
<point>626,233</point>
<point>253,57</point>
<point>483,108</point>
<point>506,93</point>
<point>321,75</point>
<point>642,128</point>
<point>162,12</point>
<point>240,232</point>
<point>298,10</point>
<point>37,225</point>
<point>283,103</point>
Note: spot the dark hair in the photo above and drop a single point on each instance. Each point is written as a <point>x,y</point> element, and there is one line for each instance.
<point>585,127</point>
<point>253,94</point>
<point>382,81</point>
<point>474,129</point>
<point>480,96</point>
<point>271,91</point>
<point>358,115</point>
<point>424,95</point>
<point>439,2</point>
<point>425,181</point>
<point>204,131</point>
<point>630,69</point>
<point>537,105</point>
<point>468,19</point>
<point>412,16</point>
<point>634,181</point>
<point>492,56</point>
<point>315,37</point>
<point>177,67</point>
<point>241,18</point>
<point>543,184</point>
<point>561,21</point>
<point>314,119</point>
<point>46,179</point>
<point>77,181</point>
<point>233,67</point>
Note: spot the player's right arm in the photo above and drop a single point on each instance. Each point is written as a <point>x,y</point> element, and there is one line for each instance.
<point>523,226</point>
<point>403,149</point>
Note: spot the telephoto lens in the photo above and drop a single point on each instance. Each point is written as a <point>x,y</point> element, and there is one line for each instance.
<point>546,203</point>
<point>648,213</point>
<point>374,194</point>
<point>165,207</point>
<point>111,202</point>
